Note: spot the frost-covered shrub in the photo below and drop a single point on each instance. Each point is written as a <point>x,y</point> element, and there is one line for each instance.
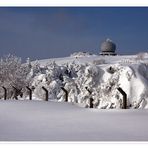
<point>35,68</point>
<point>72,77</point>
<point>51,80</point>
<point>13,74</point>
<point>85,81</point>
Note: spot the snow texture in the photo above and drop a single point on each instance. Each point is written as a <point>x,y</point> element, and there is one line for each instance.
<point>80,78</point>
<point>53,121</point>
<point>84,77</point>
<point>97,77</point>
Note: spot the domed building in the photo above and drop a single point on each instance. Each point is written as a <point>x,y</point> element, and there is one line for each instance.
<point>108,48</point>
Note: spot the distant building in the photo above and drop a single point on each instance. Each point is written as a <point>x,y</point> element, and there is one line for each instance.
<point>108,48</point>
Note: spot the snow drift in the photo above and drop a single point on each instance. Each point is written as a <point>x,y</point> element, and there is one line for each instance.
<point>96,77</point>
<point>80,78</point>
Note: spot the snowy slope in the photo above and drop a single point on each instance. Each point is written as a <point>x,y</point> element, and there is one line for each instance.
<point>83,77</point>
<point>90,59</point>
<point>101,75</point>
<point>52,121</point>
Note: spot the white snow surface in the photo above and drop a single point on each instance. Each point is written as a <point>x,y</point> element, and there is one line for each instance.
<point>53,121</point>
<point>98,77</point>
<point>83,76</point>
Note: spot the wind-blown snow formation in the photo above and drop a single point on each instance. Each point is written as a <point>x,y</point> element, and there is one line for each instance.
<point>92,76</point>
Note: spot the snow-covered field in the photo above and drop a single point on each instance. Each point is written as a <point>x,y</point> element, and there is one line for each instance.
<point>84,78</point>
<point>52,121</point>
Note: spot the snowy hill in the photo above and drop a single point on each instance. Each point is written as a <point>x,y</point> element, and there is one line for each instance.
<point>98,77</point>
<point>84,77</point>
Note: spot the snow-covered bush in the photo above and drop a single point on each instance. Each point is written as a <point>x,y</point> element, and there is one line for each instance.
<point>84,81</point>
<point>13,74</point>
<point>78,82</point>
<point>51,79</point>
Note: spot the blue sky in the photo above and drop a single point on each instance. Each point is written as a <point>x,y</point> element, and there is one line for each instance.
<point>46,32</point>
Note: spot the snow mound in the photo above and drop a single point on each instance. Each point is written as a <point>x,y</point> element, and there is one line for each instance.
<point>84,81</point>
<point>87,81</point>
<point>80,54</point>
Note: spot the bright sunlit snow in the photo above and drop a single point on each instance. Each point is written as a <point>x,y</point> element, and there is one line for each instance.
<point>52,121</point>
<point>84,77</point>
<point>101,75</point>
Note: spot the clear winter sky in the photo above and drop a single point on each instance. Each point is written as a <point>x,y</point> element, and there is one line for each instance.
<point>48,32</point>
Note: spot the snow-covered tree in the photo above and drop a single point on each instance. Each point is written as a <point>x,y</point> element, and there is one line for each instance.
<point>13,74</point>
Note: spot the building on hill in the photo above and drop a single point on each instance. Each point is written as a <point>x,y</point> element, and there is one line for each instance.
<point>108,48</point>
